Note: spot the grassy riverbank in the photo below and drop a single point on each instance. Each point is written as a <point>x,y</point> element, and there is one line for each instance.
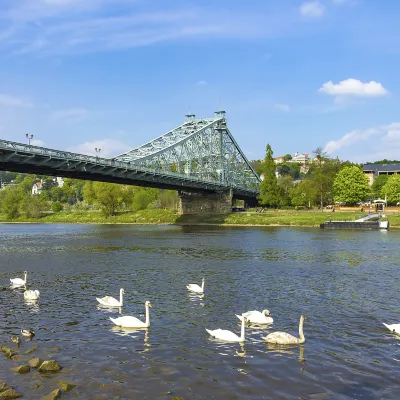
<point>269,218</point>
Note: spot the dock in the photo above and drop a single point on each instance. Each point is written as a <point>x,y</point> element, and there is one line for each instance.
<point>370,222</point>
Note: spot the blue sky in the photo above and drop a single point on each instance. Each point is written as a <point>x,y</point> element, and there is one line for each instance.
<point>114,74</point>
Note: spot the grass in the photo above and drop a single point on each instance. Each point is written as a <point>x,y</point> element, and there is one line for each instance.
<point>269,218</point>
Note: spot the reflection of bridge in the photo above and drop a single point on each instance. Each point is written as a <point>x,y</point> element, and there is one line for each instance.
<point>200,159</point>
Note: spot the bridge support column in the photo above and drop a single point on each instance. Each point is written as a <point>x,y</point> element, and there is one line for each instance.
<point>205,203</point>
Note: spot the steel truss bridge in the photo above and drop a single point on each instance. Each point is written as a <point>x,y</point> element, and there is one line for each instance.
<point>201,155</point>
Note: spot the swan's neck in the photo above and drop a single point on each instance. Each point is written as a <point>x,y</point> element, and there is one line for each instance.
<point>25,276</point>
<point>202,285</point>
<point>301,334</point>
<point>242,332</point>
<point>121,298</point>
<point>147,323</point>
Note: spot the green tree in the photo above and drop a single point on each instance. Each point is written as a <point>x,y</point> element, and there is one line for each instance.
<point>303,194</point>
<point>34,206</point>
<point>287,157</point>
<point>378,184</point>
<point>269,189</point>
<point>11,199</point>
<point>109,197</point>
<point>391,189</point>
<point>351,185</point>
<point>285,184</point>
<point>143,197</point>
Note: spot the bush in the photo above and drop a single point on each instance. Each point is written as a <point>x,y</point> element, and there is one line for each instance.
<point>56,206</point>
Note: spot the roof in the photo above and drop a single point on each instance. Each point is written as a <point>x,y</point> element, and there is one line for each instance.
<point>381,167</point>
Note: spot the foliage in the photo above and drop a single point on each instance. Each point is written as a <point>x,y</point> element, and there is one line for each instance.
<point>33,206</point>
<point>303,194</point>
<point>292,169</point>
<point>287,157</point>
<point>391,189</point>
<point>56,206</point>
<point>351,185</point>
<point>257,166</point>
<point>143,197</point>
<point>11,199</point>
<point>378,184</point>
<point>108,196</point>
<point>269,189</point>
<point>285,184</point>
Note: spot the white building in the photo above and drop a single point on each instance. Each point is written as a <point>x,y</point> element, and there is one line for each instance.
<point>59,181</point>
<point>37,187</point>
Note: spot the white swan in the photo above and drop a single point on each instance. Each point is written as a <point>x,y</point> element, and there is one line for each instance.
<point>111,301</point>
<point>31,294</point>
<point>228,336</point>
<point>194,287</point>
<point>257,317</point>
<point>19,281</point>
<point>395,328</point>
<point>133,322</point>
<point>286,338</point>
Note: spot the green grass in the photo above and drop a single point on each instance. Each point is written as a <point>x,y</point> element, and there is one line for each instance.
<point>269,218</point>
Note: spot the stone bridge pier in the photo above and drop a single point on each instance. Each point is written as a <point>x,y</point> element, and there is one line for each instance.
<point>205,203</point>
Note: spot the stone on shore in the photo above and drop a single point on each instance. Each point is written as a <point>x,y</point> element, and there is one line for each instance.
<point>55,394</point>
<point>9,394</point>
<point>49,366</point>
<point>66,386</point>
<point>22,369</point>
<point>35,362</point>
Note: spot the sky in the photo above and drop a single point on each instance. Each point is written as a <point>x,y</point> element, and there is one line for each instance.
<point>115,74</point>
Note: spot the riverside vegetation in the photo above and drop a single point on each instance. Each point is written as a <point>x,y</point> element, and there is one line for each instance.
<point>323,181</point>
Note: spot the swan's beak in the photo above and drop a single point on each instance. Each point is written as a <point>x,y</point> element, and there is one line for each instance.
<point>150,305</point>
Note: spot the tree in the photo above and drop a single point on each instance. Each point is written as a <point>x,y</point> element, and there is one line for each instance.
<point>11,199</point>
<point>378,184</point>
<point>303,194</point>
<point>108,196</point>
<point>143,197</point>
<point>34,206</point>
<point>351,185</point>
<point>269,189</point>
<point>285,184</point>
<point>391,189</point>
<point>287,157</point>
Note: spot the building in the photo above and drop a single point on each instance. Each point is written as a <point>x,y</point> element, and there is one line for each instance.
<point>59,181</point>
<point>300,157</point>
<point>279,160</point>
<point>374,170</point>
<point>37,187</point>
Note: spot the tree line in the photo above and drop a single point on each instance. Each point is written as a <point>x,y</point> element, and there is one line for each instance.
<point>327,181</point>
<point>77,195</point>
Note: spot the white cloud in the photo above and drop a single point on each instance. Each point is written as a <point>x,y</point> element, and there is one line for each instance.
<point>339,1</point>
<point>201,83</point>
<point>13,101</point>
<point>69,115</point>
<point>282,107</point>
<point>312,9</point>
<point>109,148</point>
<point>37,142</point>
<point>371,144</point>
<point>353,87</point>
<point>349,139</point>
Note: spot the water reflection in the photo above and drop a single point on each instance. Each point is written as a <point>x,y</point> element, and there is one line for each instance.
<point>33,305</point>
<point>134,333</point>
<point>197,298</point>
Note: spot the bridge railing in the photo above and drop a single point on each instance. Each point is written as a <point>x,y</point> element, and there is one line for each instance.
<point>29,150</point>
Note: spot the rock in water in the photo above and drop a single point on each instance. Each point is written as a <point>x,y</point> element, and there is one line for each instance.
<point>55,394</point>
<point>35,362</point>
<point>9,394</point>
<point>49,366</point>
<point>22,369</point>
<point>66,386</point>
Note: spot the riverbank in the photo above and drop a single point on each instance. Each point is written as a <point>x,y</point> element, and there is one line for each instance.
<point>269,218</point>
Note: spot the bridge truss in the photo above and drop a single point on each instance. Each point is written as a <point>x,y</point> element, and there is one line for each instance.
<point>201,155</point>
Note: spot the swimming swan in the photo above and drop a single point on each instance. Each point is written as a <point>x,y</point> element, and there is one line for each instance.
<point>194,287</point>
<point>133,322</point>
<point>228,336</point>
<point>19,281</point>
<point>28,333</point>
<point>395,328</point>
<point>31,294</point>
<point>286,338</point>
<point>257,317</point>
<point>111,301</point>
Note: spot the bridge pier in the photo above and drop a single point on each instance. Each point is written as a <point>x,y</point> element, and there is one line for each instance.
<point>205,203</point>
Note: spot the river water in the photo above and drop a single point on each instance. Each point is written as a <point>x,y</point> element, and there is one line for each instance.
<point>345,282</point>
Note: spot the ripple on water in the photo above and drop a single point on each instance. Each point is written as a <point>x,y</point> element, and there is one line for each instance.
<point>338,281</point>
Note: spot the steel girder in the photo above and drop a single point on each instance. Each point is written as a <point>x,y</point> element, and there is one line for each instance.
<point>200,148</point>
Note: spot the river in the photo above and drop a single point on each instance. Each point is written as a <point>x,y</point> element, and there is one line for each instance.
<point>345,282</point>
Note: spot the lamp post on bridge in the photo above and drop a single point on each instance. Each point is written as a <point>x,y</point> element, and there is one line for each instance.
<point>29,137</point>
<point>97,150</point>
